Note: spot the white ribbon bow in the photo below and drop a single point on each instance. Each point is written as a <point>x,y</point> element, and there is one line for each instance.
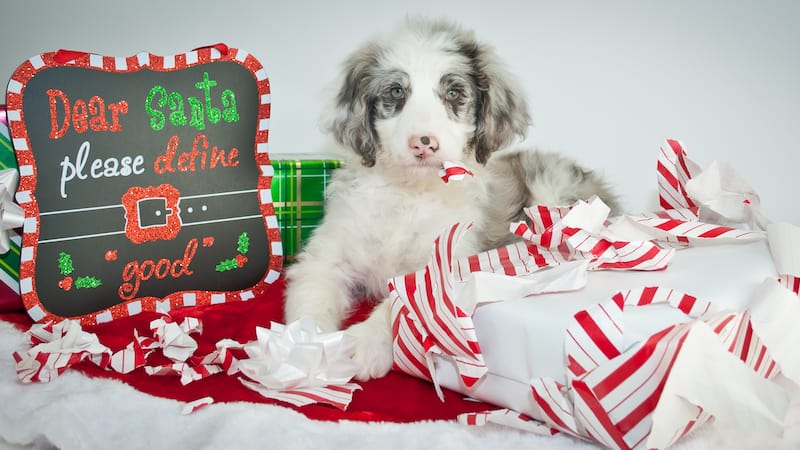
<point>11,214</point>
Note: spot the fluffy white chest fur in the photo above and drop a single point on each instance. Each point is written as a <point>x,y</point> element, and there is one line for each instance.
<point>386,227</point>
<point>427,94</point>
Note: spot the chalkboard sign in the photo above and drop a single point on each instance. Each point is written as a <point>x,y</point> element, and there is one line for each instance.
<point>145,182</point>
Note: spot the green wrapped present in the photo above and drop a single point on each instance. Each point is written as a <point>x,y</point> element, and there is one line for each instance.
<point>298,194</point>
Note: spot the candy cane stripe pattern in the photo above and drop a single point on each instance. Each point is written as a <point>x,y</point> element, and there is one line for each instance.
<point>552,242</point>
<point>56,348</point>
<point>611,394</point>
<point>555,409</point>
<point>513,259</point>
<point>423,309</point>
<point>674,171</point>
<point>505,417</point>
<point>790,282</point>
<point>337,396</point>
<point>453,171</point>
<point>695,232</point>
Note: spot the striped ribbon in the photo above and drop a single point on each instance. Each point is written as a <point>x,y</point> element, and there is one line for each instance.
<point>58,346</point>
<point>453,171</point>
<point>611,391</point>
<point>427,321</point>
<point>338,396</point>
<point>55,348</point>
<point>612,388</point>
<point>507,418</point>
<point>674,170</point>
<point>557,242</point>
<point>688,232</point>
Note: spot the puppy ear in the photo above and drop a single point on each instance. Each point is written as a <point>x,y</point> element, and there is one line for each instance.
<point>350,116</point>
<point>502,113</point>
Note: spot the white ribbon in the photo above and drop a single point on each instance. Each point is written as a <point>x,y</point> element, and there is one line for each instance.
<point>297,355</point>
<point>11,214</point>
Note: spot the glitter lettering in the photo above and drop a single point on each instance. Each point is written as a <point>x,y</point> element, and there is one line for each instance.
<point>83,116</point>
<point>99,168</point>
<point>200,109</point>
<point>134,273</point>
<point>199,158</point>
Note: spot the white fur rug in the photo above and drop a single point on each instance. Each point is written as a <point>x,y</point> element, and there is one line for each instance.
<point>76,412</point>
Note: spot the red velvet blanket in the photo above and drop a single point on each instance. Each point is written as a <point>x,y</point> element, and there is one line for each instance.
<point>394,398</point>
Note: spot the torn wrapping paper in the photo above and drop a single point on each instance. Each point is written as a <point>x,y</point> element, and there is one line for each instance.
<point>196,405</point>
<point>58,346</point>
<point>595,362</point>
<point>784,240</point>
<point>453,171</point>
<point>292,363</point>
<point>727,391</point>
<point>55,348</point>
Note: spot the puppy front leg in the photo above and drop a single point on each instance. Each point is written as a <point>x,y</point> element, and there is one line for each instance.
<point>320,290</point>
<point>373,352</point>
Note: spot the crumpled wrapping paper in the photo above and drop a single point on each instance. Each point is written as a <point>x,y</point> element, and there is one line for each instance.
<point>453,171</point>
<point>620,389</point>
<point>293,363</point>
<point>58,346</point>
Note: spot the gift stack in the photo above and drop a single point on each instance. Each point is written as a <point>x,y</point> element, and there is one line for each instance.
<point>10,240</point>
<point>298,193</point>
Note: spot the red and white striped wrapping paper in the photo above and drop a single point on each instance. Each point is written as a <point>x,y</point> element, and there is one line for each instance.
<point>569,237</point>
<point>674,169</point>
<point>612,391</point>
<point>686,192</point>
<point>453,171</point>
<point>613,371</point>
<point>427,320</point>
<point>293,363</point>
<point>609,358</point>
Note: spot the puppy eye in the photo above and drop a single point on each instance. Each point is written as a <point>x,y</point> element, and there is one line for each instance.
<point>397,93</point>
<point>453,94</point>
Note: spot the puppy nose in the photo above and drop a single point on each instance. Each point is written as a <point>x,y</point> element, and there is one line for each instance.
<point>422,146</point>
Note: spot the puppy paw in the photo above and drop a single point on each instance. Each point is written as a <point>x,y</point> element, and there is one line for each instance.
<point>373,350</point>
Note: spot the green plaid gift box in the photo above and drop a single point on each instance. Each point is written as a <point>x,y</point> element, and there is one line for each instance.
<point>298,194</point>
<point>9,262</point>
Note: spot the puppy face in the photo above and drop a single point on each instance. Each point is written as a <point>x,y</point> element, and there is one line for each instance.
<point>428,93</point>
<point>425,107</point>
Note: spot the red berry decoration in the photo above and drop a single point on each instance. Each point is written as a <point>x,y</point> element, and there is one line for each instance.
<point>241,260</point>
<point>66,283</point>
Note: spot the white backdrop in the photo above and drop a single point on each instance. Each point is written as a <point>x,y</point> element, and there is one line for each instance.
<point>607,81</point>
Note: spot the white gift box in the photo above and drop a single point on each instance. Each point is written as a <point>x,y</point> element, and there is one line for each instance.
<point>646,346</point>
<point>523,339</point>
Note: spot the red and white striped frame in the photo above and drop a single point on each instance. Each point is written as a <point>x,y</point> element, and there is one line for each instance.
<point>28,174</point>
